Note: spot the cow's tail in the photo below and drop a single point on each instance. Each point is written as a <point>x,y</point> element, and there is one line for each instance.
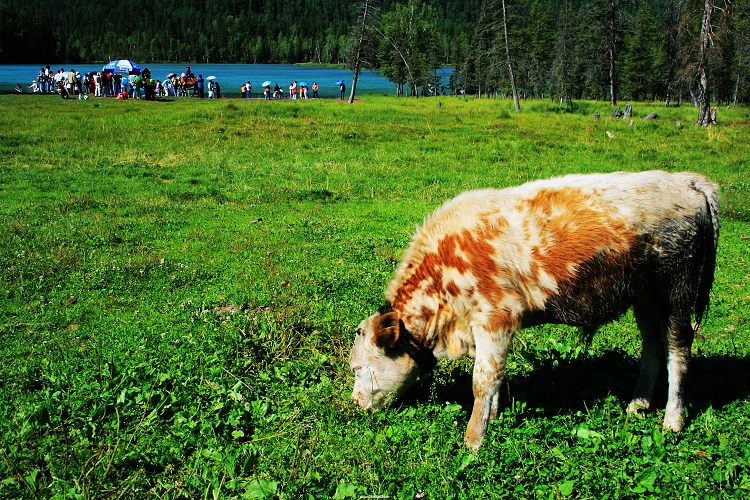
<point>710,230</point>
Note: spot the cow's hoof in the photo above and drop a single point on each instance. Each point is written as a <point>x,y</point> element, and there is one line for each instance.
<point>673,421</point>
<point>637,405</point>
<point>473,442</point>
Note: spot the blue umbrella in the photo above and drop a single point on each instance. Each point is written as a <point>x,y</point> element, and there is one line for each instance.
<point>303,84</point>
<point>122,67</point>
<point>339,82</point>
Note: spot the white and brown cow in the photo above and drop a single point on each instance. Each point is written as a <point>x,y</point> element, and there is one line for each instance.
<point>577,250</point>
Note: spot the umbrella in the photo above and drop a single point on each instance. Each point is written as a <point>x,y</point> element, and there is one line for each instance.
<point>209,78</point>
<point>303,84</point>
<point>122,67</point>
<point>266,83</point>
<point>339,82</point>
<point>171,75</point>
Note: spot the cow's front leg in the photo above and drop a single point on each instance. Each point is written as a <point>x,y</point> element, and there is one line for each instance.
<point>489,365</point>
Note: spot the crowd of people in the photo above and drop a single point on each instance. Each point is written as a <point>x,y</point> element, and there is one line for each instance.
<point>141,85</point>
<point>73,83</point>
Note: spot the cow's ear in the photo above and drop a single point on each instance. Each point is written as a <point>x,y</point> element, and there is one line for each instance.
<point>387,330</point>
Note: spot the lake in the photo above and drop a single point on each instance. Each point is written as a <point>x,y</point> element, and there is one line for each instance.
<point>232,76</point>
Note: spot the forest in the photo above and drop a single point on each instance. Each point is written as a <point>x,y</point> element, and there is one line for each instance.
<point>205,31</point>
<point>568,49</point>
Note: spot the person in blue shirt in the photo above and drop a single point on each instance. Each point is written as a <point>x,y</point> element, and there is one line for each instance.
<point>199,85</point>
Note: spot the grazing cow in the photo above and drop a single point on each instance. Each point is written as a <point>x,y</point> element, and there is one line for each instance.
<point>576,250</point>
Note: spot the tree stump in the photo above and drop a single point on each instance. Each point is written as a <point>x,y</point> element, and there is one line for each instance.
<point>628,111</point>
<point>617,113</point>
<point>651,116</point>
<point>712,116</point>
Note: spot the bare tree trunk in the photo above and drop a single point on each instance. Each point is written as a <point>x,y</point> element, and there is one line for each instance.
<point>358,57</point>
<point>510,66</point>
<point>612,84</point>
<point>704,97</point>
<point>736,89</point>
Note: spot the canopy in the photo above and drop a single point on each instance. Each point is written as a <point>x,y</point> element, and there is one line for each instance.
<point>122,67</point>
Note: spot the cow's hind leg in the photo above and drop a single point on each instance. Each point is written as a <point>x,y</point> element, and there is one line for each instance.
<point>651,326</point>
<point>489,366</point>
<point>679,341</point>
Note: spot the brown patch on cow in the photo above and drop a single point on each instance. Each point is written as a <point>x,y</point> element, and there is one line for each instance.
<point>481,254</point>
<point>575,231</point>
<point>452,289</point>
<point>427,314</point>
<point>502,320</point>
<point>430,270</point>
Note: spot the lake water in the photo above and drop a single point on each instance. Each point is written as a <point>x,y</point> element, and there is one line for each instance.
<point>232,76</point>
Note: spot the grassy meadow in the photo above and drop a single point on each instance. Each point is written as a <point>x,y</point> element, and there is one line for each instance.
<point>180,283</point>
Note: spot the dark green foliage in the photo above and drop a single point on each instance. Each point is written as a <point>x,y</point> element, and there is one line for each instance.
<point>215,31</point>
<point>643,62</point>
<point>409,46</point>
<point>562,49</point>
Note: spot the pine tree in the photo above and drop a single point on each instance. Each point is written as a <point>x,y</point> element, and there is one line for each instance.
<point>408,51</point>
<point>563,67</point>
<point>539,38</point>
<point>641,58</point>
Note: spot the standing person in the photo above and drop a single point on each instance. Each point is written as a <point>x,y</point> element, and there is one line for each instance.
<point>41,79</point>
<point>243,90</point>
<point>117,79</point>
<point>71,79</point>
<point>267,92</point>
<point>210,89</point>
<point>181,86</point>
<point>249,89</point>
<point>294,89</point>
<point>277,91</point>
<point>315,90</point>
<point>199,85</point>
<point>98,84</point>
<point>342,89</point>
<point>79,86</point>
<point>138,83</point>
<point>217,89</point>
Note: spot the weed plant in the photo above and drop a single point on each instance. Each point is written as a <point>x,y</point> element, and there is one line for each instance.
<point>180,282</point>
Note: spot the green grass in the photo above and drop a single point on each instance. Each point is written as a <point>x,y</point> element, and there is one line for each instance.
<point>181,281</point>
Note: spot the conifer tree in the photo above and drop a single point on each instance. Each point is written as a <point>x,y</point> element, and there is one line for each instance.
<point>563,67</point>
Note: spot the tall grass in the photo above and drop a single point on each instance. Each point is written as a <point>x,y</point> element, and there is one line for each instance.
<point>180,281</point>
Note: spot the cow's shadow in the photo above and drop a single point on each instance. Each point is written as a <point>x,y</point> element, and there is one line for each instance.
<point>566,386</point>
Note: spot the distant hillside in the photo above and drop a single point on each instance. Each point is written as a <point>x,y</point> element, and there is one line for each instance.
<point>216,31</point>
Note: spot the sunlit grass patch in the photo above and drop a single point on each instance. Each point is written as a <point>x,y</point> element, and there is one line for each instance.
<point>181,281</point>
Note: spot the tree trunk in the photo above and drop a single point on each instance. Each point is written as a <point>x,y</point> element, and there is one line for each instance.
<point>612,83</point>
<point>510,66</point>
<point>704,97</point>
<point>736,89</point>
<point>358,57</point>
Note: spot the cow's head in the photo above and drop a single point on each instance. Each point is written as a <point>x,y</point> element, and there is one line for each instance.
<point>385,359</point>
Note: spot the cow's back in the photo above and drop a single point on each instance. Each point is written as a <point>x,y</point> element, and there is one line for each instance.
<point>575,249</point>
